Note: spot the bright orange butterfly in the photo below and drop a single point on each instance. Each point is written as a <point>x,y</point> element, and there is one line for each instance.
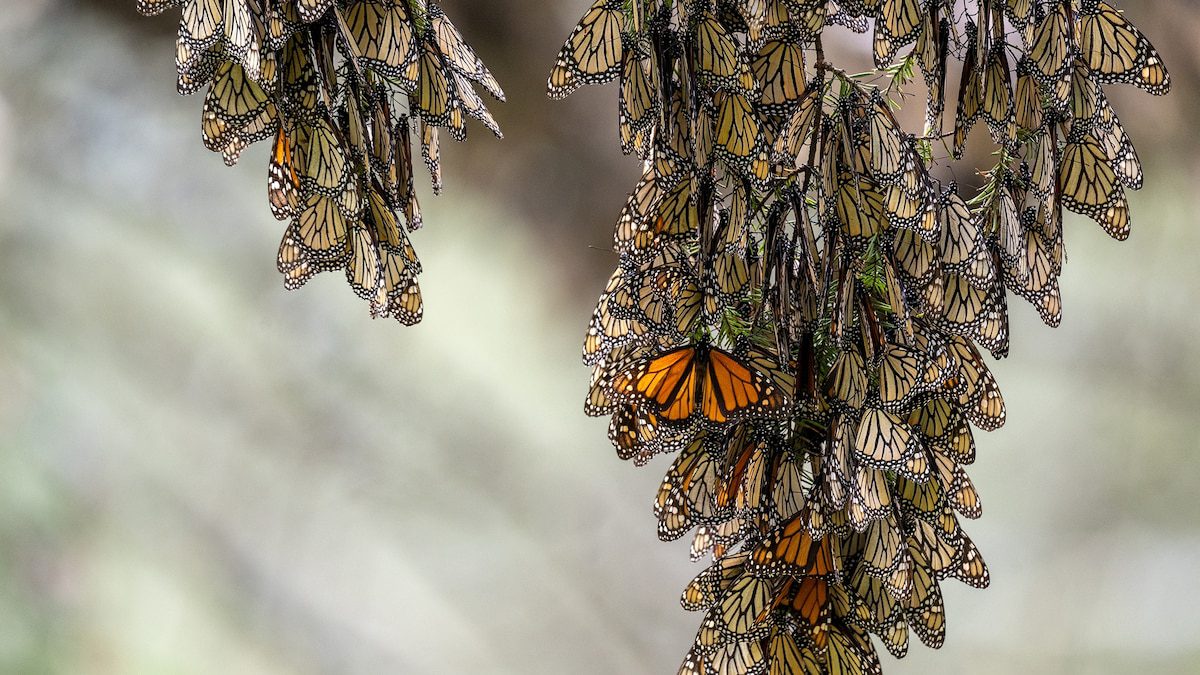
<point>678,382</point>
<point>792,549</point>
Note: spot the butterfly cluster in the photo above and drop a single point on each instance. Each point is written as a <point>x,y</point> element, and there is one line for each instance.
<point>800,306</point>
<point>344,88</point>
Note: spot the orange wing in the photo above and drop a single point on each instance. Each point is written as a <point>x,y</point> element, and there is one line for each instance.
<point>668,381</point>
<point>282,183</point>
<point>792,550</point>
<point>730,387</point>
<point>812,602</point>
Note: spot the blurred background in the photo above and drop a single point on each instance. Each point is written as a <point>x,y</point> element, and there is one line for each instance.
<point>203,473</point>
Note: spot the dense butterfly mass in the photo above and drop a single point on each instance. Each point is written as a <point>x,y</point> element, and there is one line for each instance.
<point>800,307</point>
<point>343,88</point>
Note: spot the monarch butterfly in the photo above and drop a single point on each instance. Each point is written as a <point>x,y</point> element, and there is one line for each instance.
<point>300,90</point>
<point>788,494</point>
<point>1004,226</point>
<point>363,269</point>
<point>294,263</point>
<point>835,468</point>
<point>850,652</point>
<point>458,54</point>
<point>716,54</point>
<point>870,495</point>
<point>1088,184</point>
<point>900,376</point>
<point>1036,280</point>
<point>996,97</point>
<point>964,248</point>
<point>792,549</point>
<point>859,206</point>
<point>1020,12</point>
<point>917,259</point>
<point>686,498</point>
<point>637,435</point>
<point>787,656</point>
<point>1028,111</point>
<point>886,143</point>
<point>950,551</point>
<point>233,104</point>
<point>384,36</point>
<point>1050,51</point>
<point>730,274</point>
<point>683,291</point>
<point>677,214</point>
<point>434,98</point>
<point>592,53</point>
<point>201,27</point>
<point>320,159</point>
<point>236,139</point>
<point>608,330</point>
<point>970,568</point>
<point>736,134</point>
<point>779,71</point>
<point>897,25</point>
<point>635,230</point>
<point>977,312</point>
<point>678,382</point>
<point>884,555</point>
<point>431,152</point>
<point>982,402</point>
<point>283,21</point>
<point>847,380</point>
<point>910,208</point>
<point>322,229</point>
<point>283,184</point>
<point>925,497</point>
<point>599,399</point>
<point>743,656</point>
<point>744,605</point>
<point>1117,51</point>
<point>402,148</point>
<point>960,492</point>
<point>932,48</point>
<point>956,441</point>
<point>924,610</point>
<point>381,153</point>
<point>810,599</point>
<point>706,588</point>
<point>1042,155</point>
<point>1090,107</point>
<point>799,126</point>
<point>404,303</point>
<point>969,93</point>
<point>875,608</point>
<point>388,232</point>
<point>1086,97</point>
<point>638,103</point>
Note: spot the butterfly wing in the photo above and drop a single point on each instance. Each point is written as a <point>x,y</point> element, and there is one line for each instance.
<point>666,381</point>
<point>732,387</point>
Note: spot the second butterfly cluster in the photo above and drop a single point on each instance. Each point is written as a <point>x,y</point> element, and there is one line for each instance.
<point>344,90</point>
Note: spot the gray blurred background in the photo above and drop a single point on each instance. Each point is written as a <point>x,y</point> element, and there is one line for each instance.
<point>202,473</point>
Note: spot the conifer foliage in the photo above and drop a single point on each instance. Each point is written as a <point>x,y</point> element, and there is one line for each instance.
<point>344,89</point>
<point>800,306</point>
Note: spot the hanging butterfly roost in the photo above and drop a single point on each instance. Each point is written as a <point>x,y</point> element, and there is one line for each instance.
<point>345,89</point>
<point>798,307</point>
